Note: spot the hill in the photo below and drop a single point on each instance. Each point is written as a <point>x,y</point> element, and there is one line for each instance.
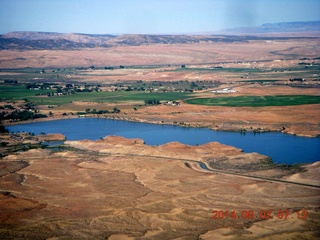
<point>73,37</point>
<point>48,40</point>
<point>68,41</point>
<point>55,41</point>
<point>284,27</point>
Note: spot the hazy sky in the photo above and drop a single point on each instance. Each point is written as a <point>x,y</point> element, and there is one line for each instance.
<point>149,16</point>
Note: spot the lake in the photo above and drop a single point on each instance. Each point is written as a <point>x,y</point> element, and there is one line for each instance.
<point>282,148</point>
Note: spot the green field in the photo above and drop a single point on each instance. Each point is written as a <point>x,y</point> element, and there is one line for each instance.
<point>20,92</point>
<point>257,101</point>
<point>112,97</point>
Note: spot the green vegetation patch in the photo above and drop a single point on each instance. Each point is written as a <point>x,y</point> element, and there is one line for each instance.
<point>257,101</point>
<point>112,97</point>
<point>18,92</point>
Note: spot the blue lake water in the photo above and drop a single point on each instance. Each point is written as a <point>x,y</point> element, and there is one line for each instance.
<point>282,148</point>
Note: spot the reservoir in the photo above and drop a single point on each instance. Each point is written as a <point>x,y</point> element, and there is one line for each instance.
<point>282,148</point>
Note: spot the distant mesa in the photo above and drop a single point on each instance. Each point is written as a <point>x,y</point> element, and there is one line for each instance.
<point>65,41</point>
<point>284,27</point>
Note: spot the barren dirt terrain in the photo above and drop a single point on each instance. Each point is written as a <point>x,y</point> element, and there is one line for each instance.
<point>122,189</point>
<point>162,54</point>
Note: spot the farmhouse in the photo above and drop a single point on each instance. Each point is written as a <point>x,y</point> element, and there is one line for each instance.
<point>225,90</point>
<point>297,79</point>
<point>173,103</point>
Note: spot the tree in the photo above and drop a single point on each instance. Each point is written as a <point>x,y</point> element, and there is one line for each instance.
<point>59,90</point>
<point>193,85</point>
<point>116,110</point>
<point>3,129</point>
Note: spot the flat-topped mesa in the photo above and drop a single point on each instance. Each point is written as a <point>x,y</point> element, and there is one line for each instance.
<point>215,155</point>
<point>211,147</point>
<point>174,150</point>
<point>106,143</point>
<point>51,137</point>
<point>123,140</point>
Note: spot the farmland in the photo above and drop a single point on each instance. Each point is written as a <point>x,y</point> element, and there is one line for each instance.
<point>257,101</point>
<point>20,93</point>
<point>264,85</point>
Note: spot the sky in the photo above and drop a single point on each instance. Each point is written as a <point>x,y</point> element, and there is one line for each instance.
<point>149,16</point>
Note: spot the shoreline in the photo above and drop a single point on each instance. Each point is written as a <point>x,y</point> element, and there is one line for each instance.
<point>187,125</point>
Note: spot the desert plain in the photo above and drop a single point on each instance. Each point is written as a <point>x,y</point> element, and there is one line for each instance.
<point>117,188</point>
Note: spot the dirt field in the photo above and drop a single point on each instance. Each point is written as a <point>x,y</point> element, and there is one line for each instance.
<point>163,54</point>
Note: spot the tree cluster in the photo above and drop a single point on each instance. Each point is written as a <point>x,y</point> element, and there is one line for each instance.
<point>95,111</point>
<point>21,115</point>
<point>151,102</point>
